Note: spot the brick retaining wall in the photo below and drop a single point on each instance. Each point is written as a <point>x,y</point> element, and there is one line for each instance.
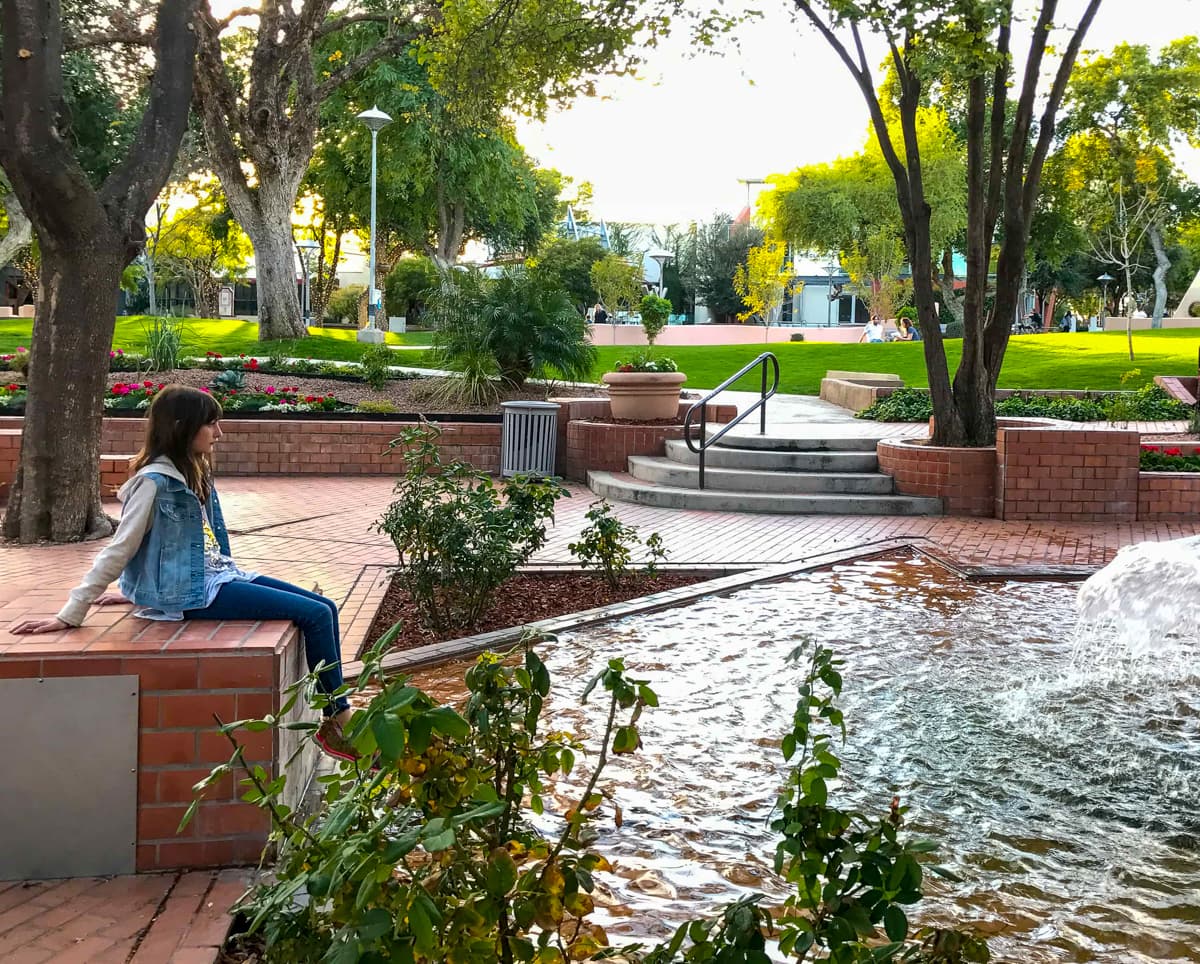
<point>187,672</point>
<point>607,446</point>
<point>964,479</point>
<point>1067,474</point>
<point>284,447</point>
<point>1168,496</point>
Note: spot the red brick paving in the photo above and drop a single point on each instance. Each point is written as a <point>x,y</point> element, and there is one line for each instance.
<point>179,918</point>
<point>316,532</point>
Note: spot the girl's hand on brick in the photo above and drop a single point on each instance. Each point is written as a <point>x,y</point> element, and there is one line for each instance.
<point>29,627</point>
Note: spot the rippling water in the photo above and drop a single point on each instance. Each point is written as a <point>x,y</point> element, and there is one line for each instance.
<point>1064,795</point>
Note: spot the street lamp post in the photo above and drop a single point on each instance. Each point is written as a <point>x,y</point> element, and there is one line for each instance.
<point>306,248</point>
<point>376,120</point>
<point>832,268</point>
<point>661,257</point>
<point>1104,279</point>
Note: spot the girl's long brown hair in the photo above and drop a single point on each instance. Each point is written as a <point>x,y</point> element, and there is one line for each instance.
<point>176,415</point>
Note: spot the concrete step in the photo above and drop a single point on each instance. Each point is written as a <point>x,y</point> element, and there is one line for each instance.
<point>667,472</point>
<point>726,457</point>
<point>625,488</point>
<point>779,442</point>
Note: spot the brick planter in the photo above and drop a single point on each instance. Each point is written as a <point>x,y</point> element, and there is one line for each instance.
<point>186,672</point>
<point>1067,474</point>
<point>964,479</point>
<point>1168,496</point>
<point>283,447</point>
<point>607,446</point>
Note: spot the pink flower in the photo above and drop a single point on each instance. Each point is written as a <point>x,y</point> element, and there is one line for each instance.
<point>120,389</point>
<point>20,350</point>
<point>270,389</point>
<point>204,388</point>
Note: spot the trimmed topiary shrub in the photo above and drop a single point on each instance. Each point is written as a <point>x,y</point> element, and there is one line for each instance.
<point>343,305</point>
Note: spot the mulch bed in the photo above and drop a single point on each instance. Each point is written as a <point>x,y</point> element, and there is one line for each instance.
<point>407,395</point>
<point>525,598</point>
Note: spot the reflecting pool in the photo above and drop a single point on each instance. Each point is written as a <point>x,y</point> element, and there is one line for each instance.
<point>1064,793</point>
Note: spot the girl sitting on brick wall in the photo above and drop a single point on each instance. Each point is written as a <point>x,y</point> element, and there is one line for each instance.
<point>171,553</point>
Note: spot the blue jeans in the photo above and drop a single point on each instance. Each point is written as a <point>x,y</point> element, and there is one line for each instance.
<point>317,617</point>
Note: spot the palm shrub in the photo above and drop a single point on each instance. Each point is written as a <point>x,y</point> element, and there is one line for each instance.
<point>533,327</point>
<point>456,309</point>
<point>508,329</point>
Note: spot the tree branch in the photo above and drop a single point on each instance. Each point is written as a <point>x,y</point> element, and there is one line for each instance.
<point>386,47</point>
<point>333,26</point>
<point>1050,113</point>
<point>132,187</point>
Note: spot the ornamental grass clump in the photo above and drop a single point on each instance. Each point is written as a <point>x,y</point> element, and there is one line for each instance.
<point>458,534</point>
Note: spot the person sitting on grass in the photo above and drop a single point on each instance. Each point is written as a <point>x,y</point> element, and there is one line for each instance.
<point>171,552</point>
<point>873,332</point>
<point>906,331</point>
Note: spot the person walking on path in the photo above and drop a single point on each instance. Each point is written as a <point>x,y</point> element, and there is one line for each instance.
<point>172,557</point>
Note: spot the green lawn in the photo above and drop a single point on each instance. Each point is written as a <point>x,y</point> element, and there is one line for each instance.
<point>224,336</point>
<point>1033,361</point>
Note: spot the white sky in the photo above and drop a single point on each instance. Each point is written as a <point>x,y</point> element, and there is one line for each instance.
<point>782,101</point>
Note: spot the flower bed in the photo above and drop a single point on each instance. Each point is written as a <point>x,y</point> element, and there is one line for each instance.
<point>1158,458</point>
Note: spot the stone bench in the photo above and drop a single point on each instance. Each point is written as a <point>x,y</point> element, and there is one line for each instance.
<point>857,390</point>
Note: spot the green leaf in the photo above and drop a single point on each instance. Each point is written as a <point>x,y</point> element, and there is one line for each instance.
<point>439,841</point>
<point>895,923</point>
<point>447,721</point>
<point>422,926</point>
<point>374,924</point>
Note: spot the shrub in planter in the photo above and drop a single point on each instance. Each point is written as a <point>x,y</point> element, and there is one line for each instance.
<point>374,365</point>
<point>797,336</point>
<point>443,842</point>
<point>607,545</point>
<point>458,534</point>
<point>12,397</point>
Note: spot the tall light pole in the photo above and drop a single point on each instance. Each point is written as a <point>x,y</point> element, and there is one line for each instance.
<point>749,181</point>
<point>832,268</point>
<point>376,120</point>
<point>306,248</point>
<point>661,256</point>
<point>1104,279</point>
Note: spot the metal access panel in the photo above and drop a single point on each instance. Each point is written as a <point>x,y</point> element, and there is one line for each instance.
<point>68,782</point>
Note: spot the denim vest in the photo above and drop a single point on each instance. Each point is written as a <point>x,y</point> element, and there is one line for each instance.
<point>167,572</point>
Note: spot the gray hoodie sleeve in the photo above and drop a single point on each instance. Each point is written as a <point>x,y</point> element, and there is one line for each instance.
<point>137,515</point>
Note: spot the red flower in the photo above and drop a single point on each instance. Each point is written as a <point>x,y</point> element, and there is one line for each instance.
<point>148,384</point>
<point>1150,448</point>
<point>14,387</point>
<point>310,398</point>
<point>1173,451</point>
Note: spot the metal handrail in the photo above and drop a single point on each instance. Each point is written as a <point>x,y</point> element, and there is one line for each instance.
<point>702,405</point>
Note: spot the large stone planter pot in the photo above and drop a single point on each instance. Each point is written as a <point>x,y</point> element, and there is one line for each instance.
<point>644,396</point>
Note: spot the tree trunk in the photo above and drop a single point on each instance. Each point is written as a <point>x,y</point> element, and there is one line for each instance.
<point>1162,266</point>
<point>1129,314</point>
<point>20,231</point>
<point>274,265</point>
<point>55,495</point>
